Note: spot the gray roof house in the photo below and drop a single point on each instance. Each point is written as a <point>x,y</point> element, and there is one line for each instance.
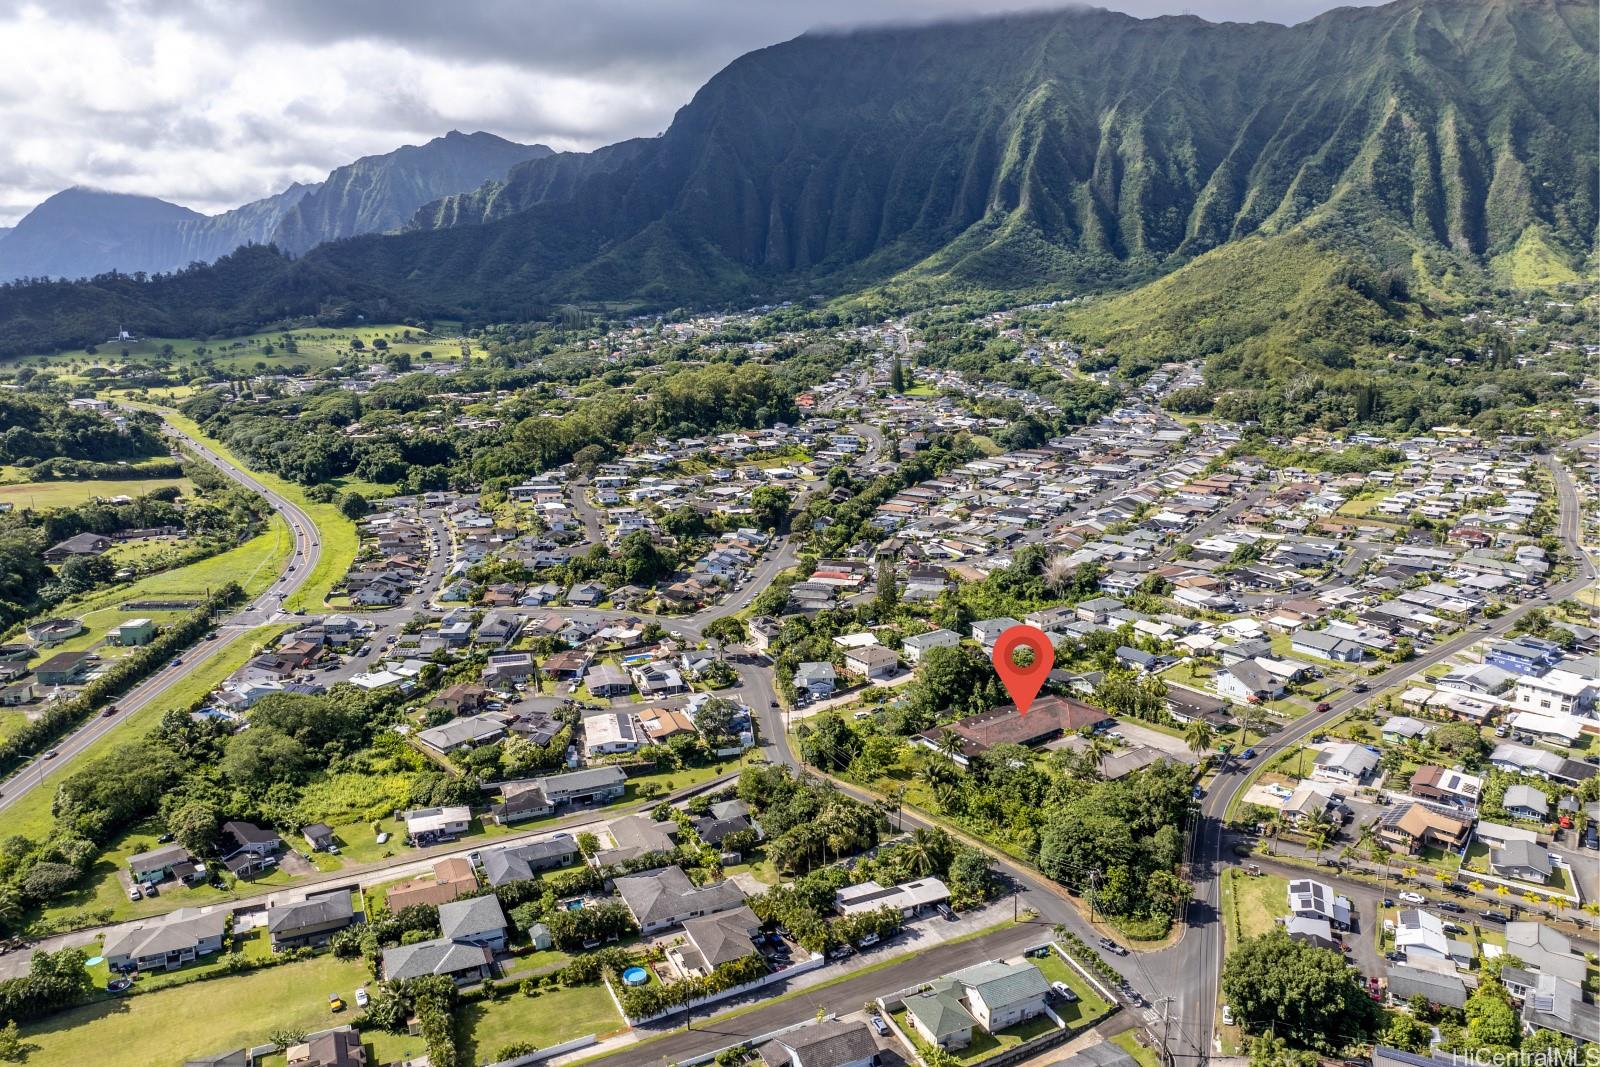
<point>666,898</point>
<point>475,921</point>
<point>165,942</point>
<point>519,863</point>
<point>464,963</point>
<point>1524,860</point>
<point>829,1044</point>
<point>1526,802</point>
<point>1445,989</point>
<point>309,922</point>
<point>1545,950</point>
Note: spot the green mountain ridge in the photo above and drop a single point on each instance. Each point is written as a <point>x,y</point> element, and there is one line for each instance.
<point>82,232</point>
<point>1055,153</point>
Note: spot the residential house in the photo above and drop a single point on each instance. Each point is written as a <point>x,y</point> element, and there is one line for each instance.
<point>464,963</point>
<point>1526,861</point>
<point>309,922</point>
<point>163,862</point>
<point>1003,995</point>
<point>475,921</point>
<point>83,544</point>
<point>1557,1004</point>
<point>607,680</point>
<point>1526,802</point>
<point>661,899</point>
<point>910,898</point>
<point>1451,786</point>
<point>166,941</point>
<point>1248,682</point>
<point>521,862</point>
<point>822,1044</point>
<point>713,940</point>
<point>1544,949</point>
<point>1317,643</point>
<point>1346,764</point>
<point>914,646</point>
<point>987,631</point>
<point>659,724</point>
<point>430,826</point>
<point>452,878</point>
<point>247,849</point>
<point>812,681</point>
<point>341,1047</point>
<point>611,733</point>
<point>1317,900</point>
<point>1413,827</point>
<point>872,662</point>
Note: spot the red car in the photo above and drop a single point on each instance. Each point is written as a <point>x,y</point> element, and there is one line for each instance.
<point>1322,707</point>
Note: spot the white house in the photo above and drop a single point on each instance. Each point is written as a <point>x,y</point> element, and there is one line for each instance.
<point>914,646</point>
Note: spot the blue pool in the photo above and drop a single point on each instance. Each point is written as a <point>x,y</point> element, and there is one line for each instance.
<point>635,976</point>
<point>575,905</point>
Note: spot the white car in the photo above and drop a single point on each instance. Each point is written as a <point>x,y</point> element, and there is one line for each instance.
<point>1413,898</point>
<point>361,997</point>
<point>1227,1015</point>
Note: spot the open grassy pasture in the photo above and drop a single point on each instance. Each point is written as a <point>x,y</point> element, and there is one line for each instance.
<point>43,496</point>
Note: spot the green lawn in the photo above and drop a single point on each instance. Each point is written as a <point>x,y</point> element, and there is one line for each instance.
<point>337,533</point>
<point>162,1028</point>
<point>1252,905</point>
<point>1128,1041</point>
<point>1090,1005</point>
<point>984,1044</point>
<point>253,564</point>
<point>42,496</point>
<point>548,1019</point>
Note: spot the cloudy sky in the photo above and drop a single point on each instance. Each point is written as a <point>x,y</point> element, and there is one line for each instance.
<point>212,103</point>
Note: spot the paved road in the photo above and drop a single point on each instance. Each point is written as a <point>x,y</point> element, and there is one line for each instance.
<point>841,998</point>
<point>1193,967</point>
<point>307,549</point>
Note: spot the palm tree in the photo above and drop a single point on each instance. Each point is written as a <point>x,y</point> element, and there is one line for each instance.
<point>950,744</point>
<point>919,857</point>
<point>1199,736</point>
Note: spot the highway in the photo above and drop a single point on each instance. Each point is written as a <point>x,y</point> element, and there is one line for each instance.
<point>263,609</point>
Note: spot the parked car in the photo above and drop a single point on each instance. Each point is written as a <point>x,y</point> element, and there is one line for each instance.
<point>1227,1015</point>
<point>879,1026</point>
<point>134,893</point>
<point>1496,917</point>
<point>361,997</point>
<point>335,1002</point>
<point>1112,947</point>
<point>1449,905</point>
<point>1064,991</point>
<point>1413,898</point>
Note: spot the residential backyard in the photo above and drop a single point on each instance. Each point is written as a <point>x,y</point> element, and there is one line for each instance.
<point>1090,1005</point>
<point>165,1027</point>
<point>1252,904</point>
<point>550,1018</point>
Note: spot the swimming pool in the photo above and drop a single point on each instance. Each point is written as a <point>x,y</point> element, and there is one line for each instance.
<point>635,976</point>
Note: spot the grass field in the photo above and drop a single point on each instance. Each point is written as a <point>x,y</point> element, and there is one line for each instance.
<point>43,496</point>
<point>1128,1041</point>
<point>548,1019</point>
<point>1252,905</point>
<point>254,565</point>
<point>337,533</point>
<point>165,1027</point>
<point>317,348</point>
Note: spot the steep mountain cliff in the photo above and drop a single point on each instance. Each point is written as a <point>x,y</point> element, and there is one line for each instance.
<point>1054,152</point>
<point>82,232</point>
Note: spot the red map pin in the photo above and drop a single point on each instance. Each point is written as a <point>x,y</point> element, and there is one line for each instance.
<point>1023,683</point>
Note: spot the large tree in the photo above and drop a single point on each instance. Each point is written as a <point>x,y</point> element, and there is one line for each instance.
<point>1307,995</point>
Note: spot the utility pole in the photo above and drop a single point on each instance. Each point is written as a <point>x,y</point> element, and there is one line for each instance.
<point>1166,1023</point>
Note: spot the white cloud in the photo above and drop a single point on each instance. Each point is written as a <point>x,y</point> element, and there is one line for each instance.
<point>211,103</point>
